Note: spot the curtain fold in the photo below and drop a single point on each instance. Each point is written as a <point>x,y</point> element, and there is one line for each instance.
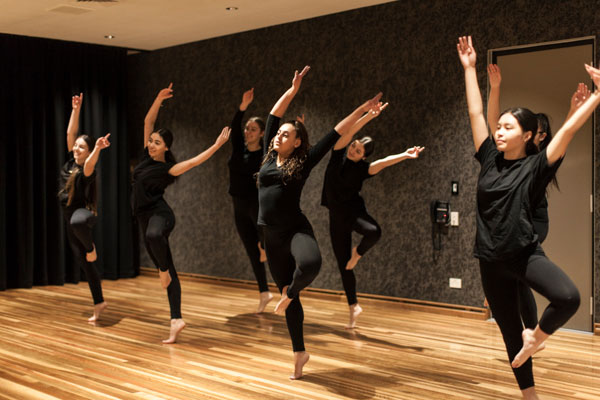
<point>39,76</point>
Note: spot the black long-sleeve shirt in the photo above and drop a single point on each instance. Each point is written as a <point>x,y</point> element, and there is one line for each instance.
<point>243,164</point>
<point>279,201</point>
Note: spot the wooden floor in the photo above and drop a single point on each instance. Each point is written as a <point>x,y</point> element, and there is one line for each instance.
<point>49,351</point>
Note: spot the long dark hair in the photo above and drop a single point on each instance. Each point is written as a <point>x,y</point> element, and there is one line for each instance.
<point>167,137</point>
<point>368,144</point>
<point>544,127</point>
<point>292,165</point>
<point>528,121</point>
<point>90,196</point>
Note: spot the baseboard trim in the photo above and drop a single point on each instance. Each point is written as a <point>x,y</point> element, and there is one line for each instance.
<point>479,313</point>
<point>597,328</point>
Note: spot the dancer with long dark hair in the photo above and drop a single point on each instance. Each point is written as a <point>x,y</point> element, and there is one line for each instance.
<point>156,170</point>
<point>513,176</point>
<point>244,163</point>
<point>292,250</point>
<point>345,174</point>
<point>77,197</point>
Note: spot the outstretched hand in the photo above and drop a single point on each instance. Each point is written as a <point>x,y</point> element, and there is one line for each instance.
<point>494,75</point>
<point>166,93</point>
<point>103,142</point>
<point>298,77</point>
<point>580,96</point>
<point>374,112</point>
<point>301,119</point>
<point>466,51</point>
<point>247,98</point>
<point>223,137</point>
<point>76,101</point>
<point>372,104</point>
<point>414,152</point>
<point>594,74</point>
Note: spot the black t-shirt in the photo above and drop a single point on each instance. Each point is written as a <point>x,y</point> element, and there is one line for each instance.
<point>150,179</point>
<point>279,201</point>
<point>540,219</point>
<point>504,202</point>
<point>82,194</point>
<point>343,182</point>
<point>243,164</point>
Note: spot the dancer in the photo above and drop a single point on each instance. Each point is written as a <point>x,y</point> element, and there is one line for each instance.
<point>542,137</point>
<point>346,171</point>
<point>157,170</point>
<point>244,163</point>
<point>512,177</point>
<point>292,250</point>
<point>77,197</point>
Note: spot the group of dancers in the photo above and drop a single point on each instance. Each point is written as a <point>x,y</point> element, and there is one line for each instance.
<point>269,165</point>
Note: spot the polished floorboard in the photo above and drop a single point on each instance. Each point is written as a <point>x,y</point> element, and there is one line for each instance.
<point>49,351</point>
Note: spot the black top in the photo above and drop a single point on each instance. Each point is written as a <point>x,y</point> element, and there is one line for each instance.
<point>243,164</point>
<point>540,219</point>
<point>279,202</point>
<point>343,182</point>
<point>505,191</point>
<point>82,195</point>
<point>150,178</point>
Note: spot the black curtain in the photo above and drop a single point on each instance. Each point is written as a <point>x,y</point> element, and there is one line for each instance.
<point>38,77</point>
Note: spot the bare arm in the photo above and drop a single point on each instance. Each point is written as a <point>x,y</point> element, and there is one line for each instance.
<point>410,154</point>
<point>344,127</point>
<point>370,115</point>
<point>284,101</point>
<point>152,114</point>
<point>493,108</point>
<point>558,145</point>
<point>468,58</point>
<point>90,162</point>
<point>184,166</point>
<point>579,97</point>
<point>73,127</point>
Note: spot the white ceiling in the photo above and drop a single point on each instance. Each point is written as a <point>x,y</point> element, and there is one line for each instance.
<point>155,24</point>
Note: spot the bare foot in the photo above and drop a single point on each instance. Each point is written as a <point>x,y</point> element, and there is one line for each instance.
<point>283,303</point>
<point>177,326</point>
<point>91,256</point>
<point>541,347</point>
<point>265,298</point>
<point>532,340</point>
<point>300,358</point>
<point>355,311</point>
<point>353,260</point>
<point>98,308</point>
<point>165,278</point>
<point>529,394</point>
<point>263,255</point>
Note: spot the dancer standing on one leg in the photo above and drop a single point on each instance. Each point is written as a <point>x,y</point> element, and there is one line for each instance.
<point>157,170</point>
<point>292,250</point>
<point>78,200</point>
<point>346,171</point>
<point>513,176</point>
<point>541,139</point>
<point>244,163</point>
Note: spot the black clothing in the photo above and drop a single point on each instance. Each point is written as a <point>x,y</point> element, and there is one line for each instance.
<point>292,250</point>
<point>343,182</point>
<point>500,285</point>
<point>540,219</point>
<point>83,186</point>
<point>243,164</point>
<point>150,179</point>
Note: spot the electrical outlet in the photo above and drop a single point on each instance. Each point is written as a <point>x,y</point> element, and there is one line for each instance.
<point>454,218</point>
<point>455,283</point>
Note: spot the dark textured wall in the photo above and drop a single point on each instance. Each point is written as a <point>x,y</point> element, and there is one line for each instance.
<point>405,49</point>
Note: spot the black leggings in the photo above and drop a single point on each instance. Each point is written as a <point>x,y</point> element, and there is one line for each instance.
<point>245,212</point>
<point>157,225</point>
<point>294,260</point>
<point>79,232</point>
<point>341,225</point>
<point>500,284</point>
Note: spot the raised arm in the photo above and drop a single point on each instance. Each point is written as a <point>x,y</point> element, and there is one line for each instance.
<point>344,127</point>
<point>493,108</point>
<point>284,101</point>
<point>579,97</point>
<point>90,162</point>
<point>468,58</point>
<point>558,145</point>
<point>237,137</point>
<point>73,128</point>
<point>410,154</point>
<point>370,115</point>
<point>152,114</point>
<point>184,166</point>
